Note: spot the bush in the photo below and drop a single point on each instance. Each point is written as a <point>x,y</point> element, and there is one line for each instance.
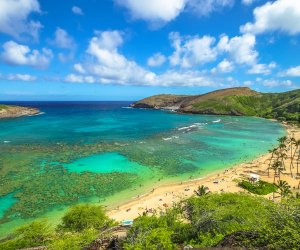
<point>260,187</point>
<point>37,233</point>
<point>82,217</point>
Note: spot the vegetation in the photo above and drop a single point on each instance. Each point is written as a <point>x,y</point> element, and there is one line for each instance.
<point>80,226</point>
<point>259,187</point>
<point>3,106</point>
<point>233,101</point>
<point>82,217</point>
<point>208,220</point>
<point>202,190</point>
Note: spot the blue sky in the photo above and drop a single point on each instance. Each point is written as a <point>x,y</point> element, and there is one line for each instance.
<point>130,49</point>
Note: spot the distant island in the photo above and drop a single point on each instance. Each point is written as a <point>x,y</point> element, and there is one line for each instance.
<point>232,101</point>
<point>10,111</point>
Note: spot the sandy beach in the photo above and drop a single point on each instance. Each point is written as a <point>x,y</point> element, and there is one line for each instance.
<point>158,199</point>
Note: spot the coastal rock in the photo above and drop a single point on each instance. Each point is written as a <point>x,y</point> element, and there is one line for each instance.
<point>8,111</point>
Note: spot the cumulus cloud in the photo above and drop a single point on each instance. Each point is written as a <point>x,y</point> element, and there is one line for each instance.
<point>293,72</point>
<point>21,77</point>
<point>280,15</point>
<point>107,64</point>
<point>15,18</point>
<point>159,12</point>
<point>17,54</point>
<point>154,10</point>
<point>156,60</point>
<point>192,51</point>
<point>206,7</point>
<point>240,48</point>
<point>76,10</point>
<point>223,67</point>
<point>64,41</point>
<point>264,69</point>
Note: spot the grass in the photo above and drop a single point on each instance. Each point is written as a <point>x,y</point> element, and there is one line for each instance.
<point>260,187</point>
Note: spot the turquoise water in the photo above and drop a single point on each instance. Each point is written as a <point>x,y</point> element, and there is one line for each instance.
<point>76,152</point>
<point>6,202</point>
<point>105,163</point>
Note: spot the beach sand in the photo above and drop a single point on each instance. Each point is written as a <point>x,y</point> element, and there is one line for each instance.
<point>165,196</point>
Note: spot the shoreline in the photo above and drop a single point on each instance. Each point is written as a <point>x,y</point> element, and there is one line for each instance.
<point>165,195</point>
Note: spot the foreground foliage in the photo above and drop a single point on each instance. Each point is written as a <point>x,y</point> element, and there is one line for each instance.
<point>209,220</point>
<point>228,220</point>
<point>80,226</point>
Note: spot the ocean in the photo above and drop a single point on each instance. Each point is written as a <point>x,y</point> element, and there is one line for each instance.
<point>106,152</point>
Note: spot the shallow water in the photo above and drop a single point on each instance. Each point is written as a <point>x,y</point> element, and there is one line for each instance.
<point>78,152</point>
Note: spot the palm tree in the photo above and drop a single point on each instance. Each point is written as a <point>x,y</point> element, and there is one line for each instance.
<point>272,151</point>
<point>284,188</point>
<point>276,166</point>
<point>201,191</point>
<point>293,155</point>
<point>282,140</point>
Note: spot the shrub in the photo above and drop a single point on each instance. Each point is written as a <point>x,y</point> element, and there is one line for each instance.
<point>82,217</point>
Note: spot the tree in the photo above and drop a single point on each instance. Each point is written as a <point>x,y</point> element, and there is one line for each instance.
<point>296,143</point>
<point>82,217</point>
<point>284,188</point>
<point>273,151</point>
<point>202,190</point>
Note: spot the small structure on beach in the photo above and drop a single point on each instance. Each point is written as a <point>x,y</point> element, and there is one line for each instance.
<point>254,177</point>
<point>127,223</point>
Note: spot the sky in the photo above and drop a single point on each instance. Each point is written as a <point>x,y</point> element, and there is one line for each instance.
<point>131,49</point>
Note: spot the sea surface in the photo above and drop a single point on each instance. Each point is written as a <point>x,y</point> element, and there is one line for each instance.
<point>105,152</point>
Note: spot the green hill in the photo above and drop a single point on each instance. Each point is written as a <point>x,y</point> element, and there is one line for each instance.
<point>232,101</point>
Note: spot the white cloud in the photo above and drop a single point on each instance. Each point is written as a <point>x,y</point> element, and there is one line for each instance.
<point>79,68</point>
<point>154,10</point>
<point>108,65</point>
<point>156,60</point>
<point>192,51</point>
<point>293,72</point>
<point>280,15</point>
<point>264,69</point>
<point>159,12</point>
<point>15,21</point>
<point>79,79</point>
<point>62,39</point>
<point>76,10</point>
<point>206,7</point>
<point>240,48</point>
<point>21,77</point>
<point>276,83</point>
<point>223,67</point>
<point>17,54</point>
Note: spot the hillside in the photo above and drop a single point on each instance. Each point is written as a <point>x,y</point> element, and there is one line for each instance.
<point>8,111</point>
<point>232,101</point>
